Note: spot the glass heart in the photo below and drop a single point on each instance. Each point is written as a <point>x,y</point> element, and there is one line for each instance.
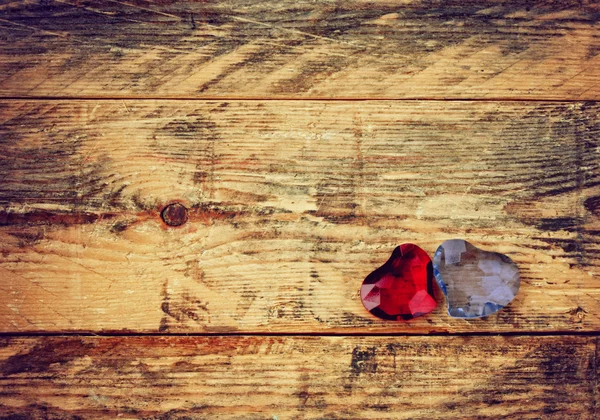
<point>476,283</point>
<point>402,288</point>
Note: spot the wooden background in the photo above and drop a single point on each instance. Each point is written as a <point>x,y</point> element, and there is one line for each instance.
<point>307,140</point>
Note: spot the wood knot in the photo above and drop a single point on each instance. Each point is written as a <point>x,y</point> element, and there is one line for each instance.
<point>174,214</point>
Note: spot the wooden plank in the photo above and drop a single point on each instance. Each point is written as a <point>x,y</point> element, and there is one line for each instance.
<point>354,49</point>
<point>291,205</point>
<point>290,378</point>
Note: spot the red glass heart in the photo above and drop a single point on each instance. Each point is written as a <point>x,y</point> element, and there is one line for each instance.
<point>402,288</point>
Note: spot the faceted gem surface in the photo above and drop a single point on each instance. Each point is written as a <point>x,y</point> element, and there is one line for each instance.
<point>402,288</point>
<point>476,282</point>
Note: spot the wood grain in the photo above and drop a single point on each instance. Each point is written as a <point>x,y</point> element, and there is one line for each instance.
<point>293,378</point>
<point>469,49</point>
<point>306,139</point>
<point>291,205</point>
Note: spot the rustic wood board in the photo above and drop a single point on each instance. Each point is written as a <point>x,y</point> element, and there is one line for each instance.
<point>354,49</point>
<point>293,378</point>
<point>291,205</point>
<point>307,139</point>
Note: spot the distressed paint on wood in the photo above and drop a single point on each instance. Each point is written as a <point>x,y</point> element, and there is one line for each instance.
<point>309,378</point>
<point>291,205</point>
<point>358,49</point>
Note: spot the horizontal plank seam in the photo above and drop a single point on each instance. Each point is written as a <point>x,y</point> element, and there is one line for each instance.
<point>283,334</point>
<point>290,99</point>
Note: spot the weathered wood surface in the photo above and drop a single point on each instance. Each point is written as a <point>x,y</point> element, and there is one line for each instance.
<point>293,378</point>
<point>291,205</point>
<point>392,49</point>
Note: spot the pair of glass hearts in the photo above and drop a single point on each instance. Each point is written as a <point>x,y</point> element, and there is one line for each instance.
<point>476,283</point>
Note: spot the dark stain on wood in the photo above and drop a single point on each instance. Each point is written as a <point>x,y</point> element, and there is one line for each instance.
<point>554,224</point>
<point>363,360</point>
<point>120,226</point>
<point>192,139</point>
<point>40,412</point>
<point>592,204</point>
<point>558,369</point>
<point>49,218</point>
<point>181,308</point>
<point>43,356</point>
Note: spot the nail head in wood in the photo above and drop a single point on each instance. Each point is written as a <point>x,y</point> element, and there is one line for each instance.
<point>174,214</point>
